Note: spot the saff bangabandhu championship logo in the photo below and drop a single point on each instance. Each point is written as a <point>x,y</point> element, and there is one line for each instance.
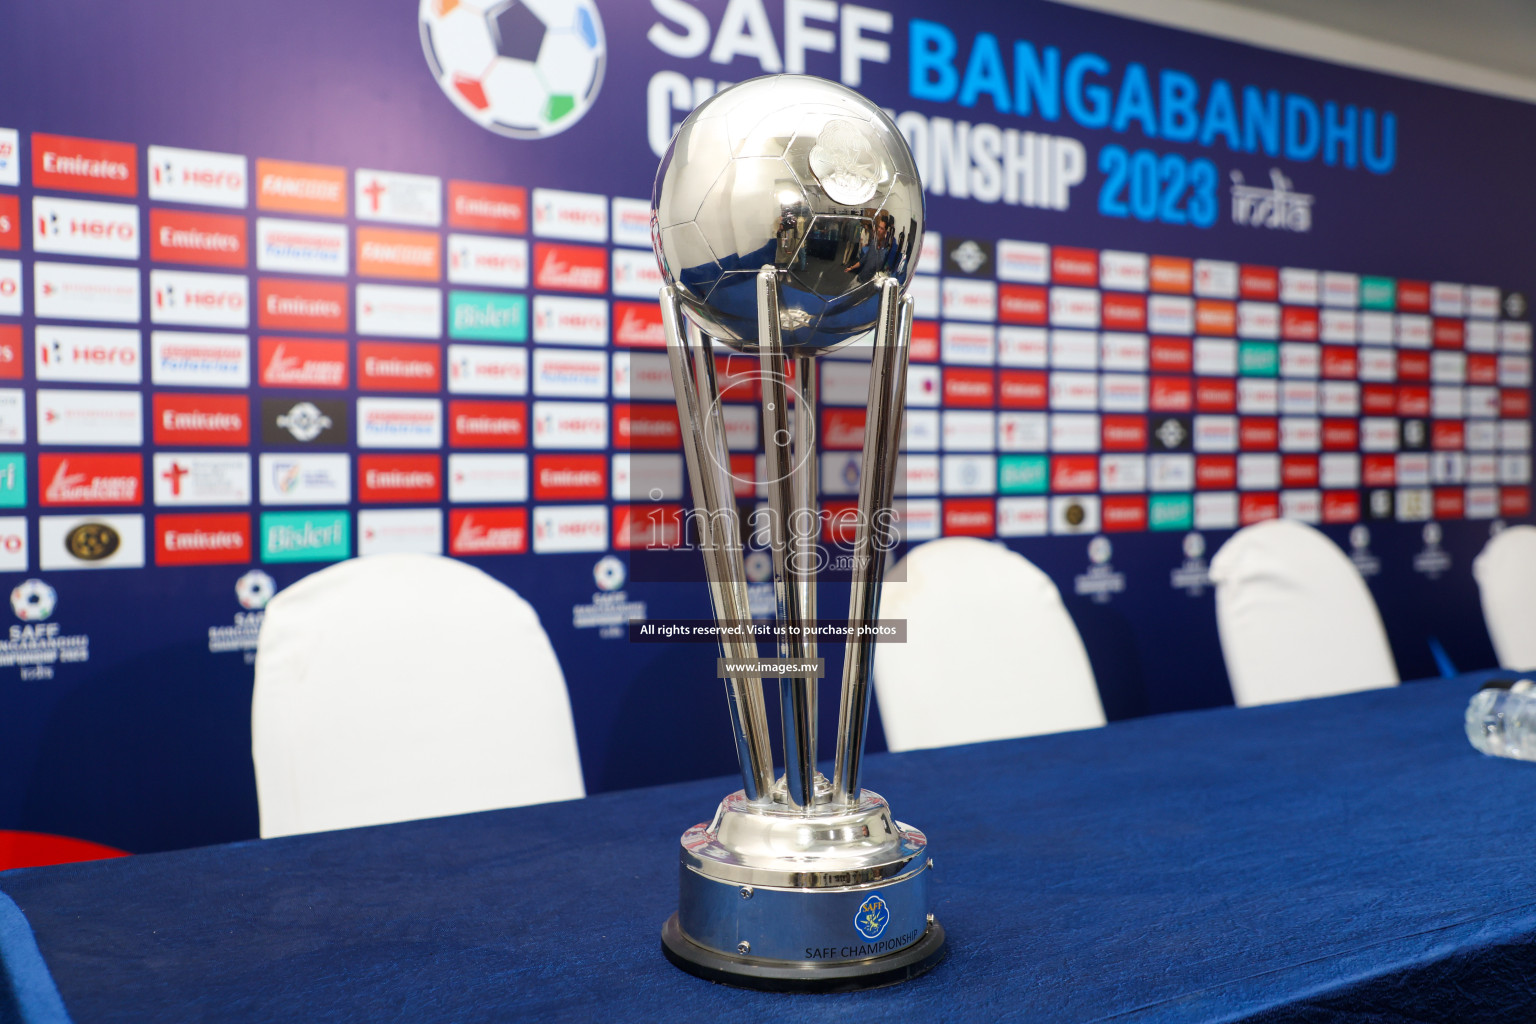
<point>526,69</point>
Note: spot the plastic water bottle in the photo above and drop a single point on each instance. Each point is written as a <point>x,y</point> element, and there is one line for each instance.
<point>1501,719</point>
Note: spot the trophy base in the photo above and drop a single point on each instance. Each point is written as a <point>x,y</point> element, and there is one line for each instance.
<point>745,972</point>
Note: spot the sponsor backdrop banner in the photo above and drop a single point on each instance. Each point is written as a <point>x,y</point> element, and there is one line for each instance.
<point>283,284</point>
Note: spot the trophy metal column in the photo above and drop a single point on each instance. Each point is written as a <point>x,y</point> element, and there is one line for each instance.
<point>787,216</point>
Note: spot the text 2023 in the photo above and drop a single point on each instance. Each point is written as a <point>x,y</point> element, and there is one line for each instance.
<point>1161,187</point>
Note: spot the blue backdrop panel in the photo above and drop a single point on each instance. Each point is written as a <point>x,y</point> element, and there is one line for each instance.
<point>1285,260</point>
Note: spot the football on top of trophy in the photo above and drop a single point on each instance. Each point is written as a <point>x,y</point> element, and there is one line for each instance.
<point>797,173</point>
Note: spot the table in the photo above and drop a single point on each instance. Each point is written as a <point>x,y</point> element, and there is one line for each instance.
<point>1347,858</point>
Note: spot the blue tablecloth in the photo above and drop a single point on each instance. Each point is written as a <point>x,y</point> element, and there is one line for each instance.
<point>1343,859</point>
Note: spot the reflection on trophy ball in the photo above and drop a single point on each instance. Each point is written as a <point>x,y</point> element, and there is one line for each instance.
<point>795,172</point>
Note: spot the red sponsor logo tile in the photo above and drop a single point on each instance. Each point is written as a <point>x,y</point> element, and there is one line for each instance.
<point>1298,470</point>
<point>1340,362</point>
<point>85,165</point>
<point>1216,394</point>
<point>201,419</point>
<point>1514,501</point>
<point>485,207</point>
<point>739,378</point>
<point>1121,512</point>
<point>1413,296</point>
<point>1448,435</point>
<point>1215,472</point>
<point>1123,433</point>
<point>1298,323</point>
<point>647,526</point>
<point>1513,403</point>
<point>1482,369</point>
<point>480,424</point>
<point>1074,474</point>
<point>1172,355</point>
<point>570,477</point>
<point>1341,506</point>
<point>1215,317</point>
<point>10,352</point>
<point>840,521</point>
<point>968,387</point>
<point>1341,435</point>
<point>1074,266</point>
<point>487,531</point>
<point>1172,274</point>
<point>638,325</point>
<point>645,426</point>
<point>78,478</point>
<point>1378,470</point>
<point>1122,311</point>
<point>302,363</point>
<point>1172,394</point>
<point>1022,304</point>
<point>383,478</point>
<point>1412,400</point>
<point>744,472</point>
<point>970,517</point>
<point>1450,333</point>
<point>1258,283</point>
<point>10,222</point>
<point>1450,503</point>
<point>291,305</point>
<point>841,430</point>
<point>1257,506</point>
<point>570,268</point>
<point>399,366</point>
<point>210,538</point>
<point>1258,433</point>
<point>204,239</point>
<point>924,346</point>
<point>1023,389</point>
<point>1378,399</point>
<point>1413,365</point>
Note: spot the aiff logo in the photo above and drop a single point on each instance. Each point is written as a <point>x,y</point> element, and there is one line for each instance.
<point>522,69</point>
<point>872,917</point>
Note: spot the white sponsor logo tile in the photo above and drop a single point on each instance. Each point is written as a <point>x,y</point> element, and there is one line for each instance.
<point>965,299</point>
<point>631,222</point>
<point>643,375</point>
<point>92,355</point>
<point>305,479</point>
<point>969,474</point>
<point>202,478</point>
<point>480,478</point>
<point>635,274</point>
<point>1022,431</point>
<point>1215,279</point>
<point>399,531</point>
<point>1024,262</point>
<point>1074,307</point>
<point>561,528</point>
<point>566,373</point>
<point>1022,517</point>
<point>1022,346</point>
<point>301,246</point>
<point>571,321</point>
<point>197,176</point>
<point>968,344</point>
<point>579,216</point>
<point>398,198</point>
<point>1122,271</point>
<point>113,418</point>
<point>81,227</point>
<point>74,291</point>
<point>399,311</point>
<point>205,300</point>
<point>198,359</point>
<point>53,534</point>
<point>399,423</point>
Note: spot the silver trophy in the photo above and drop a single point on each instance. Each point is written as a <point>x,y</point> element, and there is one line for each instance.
<point>787,217</point>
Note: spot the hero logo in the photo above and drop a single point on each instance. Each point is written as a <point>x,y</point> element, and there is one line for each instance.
<point>570,424</point>
<point>78,479</point>
<point>86,354</point>
<point>218,300</point>
<point>85,228</point>
<point>579,216</point>
<point>475,259</point>
<point>570,268</point>
<point>488,531</point>
<point>577,321</point>
<point>195,176</point>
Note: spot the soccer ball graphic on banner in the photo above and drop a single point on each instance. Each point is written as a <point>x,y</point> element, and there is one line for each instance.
<point>33,601</point>
<point>523,68</point>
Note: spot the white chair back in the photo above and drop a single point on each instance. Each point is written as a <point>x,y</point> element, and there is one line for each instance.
<point>1505,571</point>
<point>403,686</point>
<point>991,652</point>
<point>1295,618</point>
